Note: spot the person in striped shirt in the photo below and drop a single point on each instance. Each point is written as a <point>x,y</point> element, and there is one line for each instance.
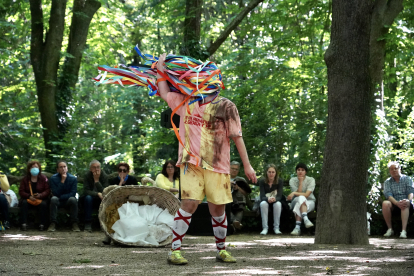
<point>398,191</point>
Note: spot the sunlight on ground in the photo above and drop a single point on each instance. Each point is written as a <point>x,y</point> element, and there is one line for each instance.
<point>248,271</point>
<point>25,238</point>
<point>390,242</point>
<point>151,252</point>
<point>283,241</point>
<point>83,266</point>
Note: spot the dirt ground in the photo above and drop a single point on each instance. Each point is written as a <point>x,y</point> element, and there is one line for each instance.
<point>68,253</point>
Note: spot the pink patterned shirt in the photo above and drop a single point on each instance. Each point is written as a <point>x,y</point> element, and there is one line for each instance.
<point>206,131</point>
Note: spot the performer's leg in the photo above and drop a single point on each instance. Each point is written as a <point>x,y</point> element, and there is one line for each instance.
<point>192,192</point>
<point>218,191</point>
<point>182,221</point>
<point>219,222</point>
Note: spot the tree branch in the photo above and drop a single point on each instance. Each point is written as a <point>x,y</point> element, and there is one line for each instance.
<point>54,38</point>
<point>233,25</point>
<point>394,8</point>
<point>83,12</point>
<point>383,14</point>
<point>36,44</point>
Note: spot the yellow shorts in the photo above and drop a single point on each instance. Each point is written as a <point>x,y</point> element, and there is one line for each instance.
<point>198,182</point>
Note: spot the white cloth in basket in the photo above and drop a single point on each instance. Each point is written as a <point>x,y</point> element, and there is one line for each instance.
<point>142,225</point>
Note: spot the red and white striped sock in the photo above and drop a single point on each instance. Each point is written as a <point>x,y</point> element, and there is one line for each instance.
<point>220,230</point>
<point>182,221</point>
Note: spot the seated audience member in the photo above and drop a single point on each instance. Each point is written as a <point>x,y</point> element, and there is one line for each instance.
<point>95,181</point>
<point>4,204</point>
<point>240,191</point>
<point>302,197</point>
<point>240,194</point>
<point>123,177</point>
<point>168,179</point>
<point>63,186</point>
<point>398,191</point>
<point>234,171</point>
<point>271,195</point>
<point>32,187</point>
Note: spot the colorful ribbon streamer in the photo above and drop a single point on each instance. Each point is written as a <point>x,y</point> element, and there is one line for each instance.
<point>184,75</point>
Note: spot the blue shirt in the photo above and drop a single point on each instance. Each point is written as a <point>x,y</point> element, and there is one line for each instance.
<point>63,190</point>
<point>398,190</point>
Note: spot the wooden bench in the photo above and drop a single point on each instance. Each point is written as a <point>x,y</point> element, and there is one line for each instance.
<point>14,212</point>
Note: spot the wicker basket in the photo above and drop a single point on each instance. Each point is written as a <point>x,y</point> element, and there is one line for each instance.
<point>162,198</point>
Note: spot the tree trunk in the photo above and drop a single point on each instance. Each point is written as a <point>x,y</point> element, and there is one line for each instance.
<point>383,15</point>
<point>45,56</point>
<point>342,208</point>
<point>83,11</point>
<point>192,26</point>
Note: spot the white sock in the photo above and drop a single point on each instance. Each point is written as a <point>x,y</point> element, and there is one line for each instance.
<point>220,230</point>
<point>182,221</point>
<point>298,223</point>
<point>305,216</point>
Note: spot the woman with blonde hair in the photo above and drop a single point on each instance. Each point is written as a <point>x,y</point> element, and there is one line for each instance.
<point>168,179</point>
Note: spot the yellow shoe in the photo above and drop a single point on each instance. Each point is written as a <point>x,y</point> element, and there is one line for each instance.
<point>175,257</point>
<point>225,257</point>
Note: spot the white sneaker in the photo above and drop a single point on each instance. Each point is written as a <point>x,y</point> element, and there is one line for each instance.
<point>295,232</point>
<point>277,231</point>
<point>389,233</point>
<point>308,223</point>
<point>403,234</point>
<point>264,232</point>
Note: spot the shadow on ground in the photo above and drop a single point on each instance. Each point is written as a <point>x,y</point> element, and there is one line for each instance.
<point>70,253</point>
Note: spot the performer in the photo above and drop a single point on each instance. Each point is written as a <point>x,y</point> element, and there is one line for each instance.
<point>205,129</point>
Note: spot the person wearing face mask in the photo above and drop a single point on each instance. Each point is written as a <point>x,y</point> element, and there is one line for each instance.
<point>123,177</point>
<point>64,187</point>
<point>302,197</point>
<point>95,181</point>
<point>34,186</point>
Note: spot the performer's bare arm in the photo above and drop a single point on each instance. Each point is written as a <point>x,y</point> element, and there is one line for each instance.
<point>162,85</point>
<point>248,170</point>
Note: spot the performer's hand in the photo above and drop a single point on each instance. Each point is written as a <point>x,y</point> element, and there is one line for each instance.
<point>250,173</point>
<point>161,62</point>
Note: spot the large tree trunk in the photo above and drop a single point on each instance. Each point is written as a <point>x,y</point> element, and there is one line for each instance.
<point>45,56</point>
<point>342,208</point>
<point>83,11</point>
